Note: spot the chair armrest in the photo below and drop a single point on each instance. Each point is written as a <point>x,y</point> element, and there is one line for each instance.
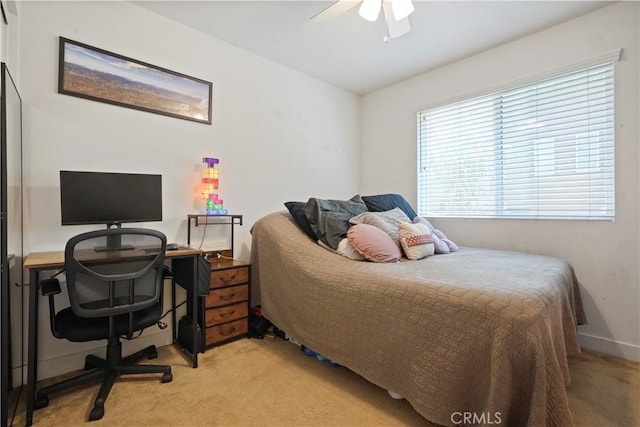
<point>50,287</point>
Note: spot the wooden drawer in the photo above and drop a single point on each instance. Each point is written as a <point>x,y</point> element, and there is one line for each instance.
<point>226,296</point>
<point>227,313</point>
<point>229,277</point>
<point>226,331</point>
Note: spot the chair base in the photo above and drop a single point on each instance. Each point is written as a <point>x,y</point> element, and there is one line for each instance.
<point>108,369</point>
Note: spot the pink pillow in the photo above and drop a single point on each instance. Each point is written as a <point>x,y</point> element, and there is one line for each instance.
<point>373,243</point>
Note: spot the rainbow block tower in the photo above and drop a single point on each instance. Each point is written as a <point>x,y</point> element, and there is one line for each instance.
<point>214,205</point>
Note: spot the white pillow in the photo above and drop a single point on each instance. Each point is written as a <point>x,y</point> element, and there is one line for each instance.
<point>416,240</point>
<point>345,248</point>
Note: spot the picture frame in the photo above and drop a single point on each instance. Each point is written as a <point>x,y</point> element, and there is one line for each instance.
<point>3,11</point>
<point>92,73</point>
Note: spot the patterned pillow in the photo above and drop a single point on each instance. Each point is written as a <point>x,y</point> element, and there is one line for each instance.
<point>416,240</point>
<point>373,243</point>
<point>387,221</point>
<point>442,244</point>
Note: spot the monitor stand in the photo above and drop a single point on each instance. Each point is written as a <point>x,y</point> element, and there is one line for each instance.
<point>114,243</point>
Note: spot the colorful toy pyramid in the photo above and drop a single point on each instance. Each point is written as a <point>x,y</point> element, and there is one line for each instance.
<point>214,205</point>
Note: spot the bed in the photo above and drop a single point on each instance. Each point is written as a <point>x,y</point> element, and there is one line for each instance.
<point>478,331</point>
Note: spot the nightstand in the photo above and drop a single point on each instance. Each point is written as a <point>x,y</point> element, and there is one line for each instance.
<point>225,311</point>
<point>223,315</point>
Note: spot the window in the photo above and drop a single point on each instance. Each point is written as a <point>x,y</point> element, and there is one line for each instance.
<point>542,150</point>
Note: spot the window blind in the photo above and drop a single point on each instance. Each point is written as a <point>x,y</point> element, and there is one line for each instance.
<point>541,150</point>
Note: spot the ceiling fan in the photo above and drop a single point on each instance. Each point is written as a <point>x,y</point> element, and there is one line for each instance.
<point>396,14</point>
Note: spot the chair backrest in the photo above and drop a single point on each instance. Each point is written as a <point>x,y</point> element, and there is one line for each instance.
<point>114,282</point>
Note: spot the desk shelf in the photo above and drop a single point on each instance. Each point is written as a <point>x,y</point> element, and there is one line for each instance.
<point>203,219</point>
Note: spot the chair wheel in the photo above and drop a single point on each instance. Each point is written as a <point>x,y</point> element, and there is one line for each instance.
<point>167,377</point>
<point>41,402</point>
<point>96,413</point>
<point>152,355</point>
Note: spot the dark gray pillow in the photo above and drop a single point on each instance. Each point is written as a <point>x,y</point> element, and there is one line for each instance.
<point>296,209</point>
<point>386,202</point>
<point>329,219</point>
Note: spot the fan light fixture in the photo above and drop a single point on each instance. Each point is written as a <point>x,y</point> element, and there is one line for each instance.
<point>396,14</point>
<point>370,9</point>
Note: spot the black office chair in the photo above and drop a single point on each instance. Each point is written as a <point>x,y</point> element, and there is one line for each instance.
<point>112,293</point>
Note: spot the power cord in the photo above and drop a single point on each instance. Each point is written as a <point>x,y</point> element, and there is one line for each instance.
<point>132,337</point>
<point>57,274</point>
<point>217,255</point>
<point>163,325</point>
<point>204,232</point>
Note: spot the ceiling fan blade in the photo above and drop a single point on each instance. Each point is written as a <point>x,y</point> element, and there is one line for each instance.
<point>402,8</point>
<point>398,28</point>
<point>334,10</point>
<point>395,28</point>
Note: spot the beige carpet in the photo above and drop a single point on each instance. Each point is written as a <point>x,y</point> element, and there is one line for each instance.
<point>271,382</point>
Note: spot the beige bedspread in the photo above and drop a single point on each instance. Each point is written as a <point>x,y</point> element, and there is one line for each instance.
<point>480,331</point>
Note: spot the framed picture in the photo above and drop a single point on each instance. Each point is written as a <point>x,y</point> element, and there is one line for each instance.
<point>3,10</point>
<point>91,73</point>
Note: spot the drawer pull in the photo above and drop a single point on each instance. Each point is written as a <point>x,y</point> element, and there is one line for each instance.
<point>226,297</point>
<point>228,278</point>
<point>227,314</point>
<point>228,332</point>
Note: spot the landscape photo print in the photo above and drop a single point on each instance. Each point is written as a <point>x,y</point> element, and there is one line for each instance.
<point>92,73</point>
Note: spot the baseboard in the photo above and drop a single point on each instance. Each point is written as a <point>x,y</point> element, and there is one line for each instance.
<point>70,362</point>
<point>610,347</point>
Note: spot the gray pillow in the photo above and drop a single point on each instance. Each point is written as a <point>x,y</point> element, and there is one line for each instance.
<point>329,219</point>
<point>388,221</point>
<point>296,209</point>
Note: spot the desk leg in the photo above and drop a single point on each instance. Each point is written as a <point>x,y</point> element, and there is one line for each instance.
<point>194,315</point>
<point>193,294</point>
<point>32,357</point>
<point>174,329</point>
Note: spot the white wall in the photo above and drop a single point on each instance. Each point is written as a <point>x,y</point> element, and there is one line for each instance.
<point>280,135</point>
<point>605,255</point>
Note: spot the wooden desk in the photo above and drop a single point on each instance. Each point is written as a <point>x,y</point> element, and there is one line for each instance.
<point>42,261</point>
<point>53,260</point>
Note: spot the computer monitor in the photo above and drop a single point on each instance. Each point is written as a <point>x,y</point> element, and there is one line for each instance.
<point>109,198</point>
